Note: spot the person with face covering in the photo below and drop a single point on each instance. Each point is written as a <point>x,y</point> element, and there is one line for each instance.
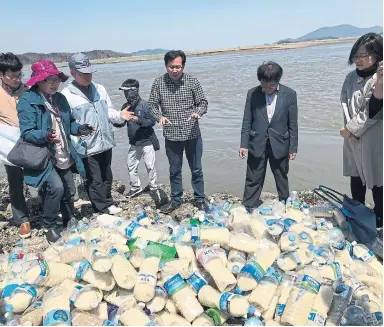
<point>45,119</point>
<point>269,133</point>
<point>142,139</point>
<point>91,104</point>
<point>363,122</point>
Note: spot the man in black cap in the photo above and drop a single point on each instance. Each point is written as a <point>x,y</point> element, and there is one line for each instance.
<point>142,139</point>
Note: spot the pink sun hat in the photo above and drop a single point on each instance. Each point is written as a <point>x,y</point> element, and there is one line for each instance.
<point>42,69</point>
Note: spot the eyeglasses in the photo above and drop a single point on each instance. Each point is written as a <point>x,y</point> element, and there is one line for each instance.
<point>361,56</point>
<point>271,86</point>
<point>178,67</point>
<point>15,78</point>
<point>52,80</point>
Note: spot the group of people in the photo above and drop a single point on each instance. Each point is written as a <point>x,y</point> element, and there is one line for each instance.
<point>82,113</point>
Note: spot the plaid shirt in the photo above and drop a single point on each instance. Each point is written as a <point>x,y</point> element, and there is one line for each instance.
<point>177,101</point>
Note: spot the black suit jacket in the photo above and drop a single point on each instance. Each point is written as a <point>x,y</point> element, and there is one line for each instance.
<point>282,131</point>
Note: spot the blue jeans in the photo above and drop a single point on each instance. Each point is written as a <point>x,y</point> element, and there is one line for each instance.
<point>193,151</point>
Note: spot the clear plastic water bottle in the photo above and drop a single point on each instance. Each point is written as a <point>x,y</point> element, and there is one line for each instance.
<point>253,321</point>
<point>376,246</point>
<point>322,211</point>
<point>140,212</point>
<point>294,201</point>
<point>72,226</point>
<point>10,318</point>
<point>336,238</point>
<point>278,208</point>
<point>309,219</point>
<point>354,316</point>
<point>341,299</point>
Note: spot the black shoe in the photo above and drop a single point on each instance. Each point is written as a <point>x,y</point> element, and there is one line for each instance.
<point>169,207</point>
<point>202,205</point>
<point>133,193</point>
<point>250,209</point>
<point>52,234</point>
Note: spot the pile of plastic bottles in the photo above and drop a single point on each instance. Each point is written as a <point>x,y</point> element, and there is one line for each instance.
<point>283,264</point>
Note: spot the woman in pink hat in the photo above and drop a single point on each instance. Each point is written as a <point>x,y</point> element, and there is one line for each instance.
<point>45,119</point>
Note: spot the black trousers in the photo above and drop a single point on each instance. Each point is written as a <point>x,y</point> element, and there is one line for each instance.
<point>358,191</point>
<point>99,180</point>
<point>57,194</point>
<point>16,193</point>
<point>255,177</point>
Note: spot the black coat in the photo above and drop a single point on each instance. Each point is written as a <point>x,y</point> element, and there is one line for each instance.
<point>282,131</point>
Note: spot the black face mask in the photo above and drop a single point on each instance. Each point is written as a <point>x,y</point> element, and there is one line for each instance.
<point>367,72</point>
<point>132,96</point>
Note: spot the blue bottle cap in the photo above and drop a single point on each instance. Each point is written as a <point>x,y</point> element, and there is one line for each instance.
<point>291,238</point>
<point>235,269</point>
<point>8,308</point>
<point>251,309</point>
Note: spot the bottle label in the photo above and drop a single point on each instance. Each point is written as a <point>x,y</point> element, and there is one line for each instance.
<point>26,288</point>
<point>375,319</point>
<point>317,318</point>
<point>109,323</point>
<point>215,316</point>
<point>75,293</point>
<point>8,290</point>
<point>266,211</point>
<point>367,257</point>
<point>82,269</point>
<point>131,228</point>
<point>204,255</point>
<point>253,269</point>
<point>44,270</point>
<point>225,301</point>
<point>273,275</point>
<point>337,271</point>
<point>280,307</point>
<point>113,251</point>
<point>308,283</point>
<point>288,222</point>
<point>195,233</point>
<point>146,278</point>
<point>174,284</point>
<point>57,317</point>
<point>196,281</point>
<point>141,215</point>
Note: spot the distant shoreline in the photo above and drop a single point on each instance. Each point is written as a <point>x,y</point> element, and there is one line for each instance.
<point>261,48</point>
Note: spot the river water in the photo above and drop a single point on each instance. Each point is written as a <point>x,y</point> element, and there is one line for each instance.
<point>315,73</point>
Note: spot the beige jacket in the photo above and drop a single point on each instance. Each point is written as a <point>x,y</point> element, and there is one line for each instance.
<point>8,102</point>
<point>362,157</point>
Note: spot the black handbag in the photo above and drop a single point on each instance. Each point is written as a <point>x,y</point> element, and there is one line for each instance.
<point>29,156</point>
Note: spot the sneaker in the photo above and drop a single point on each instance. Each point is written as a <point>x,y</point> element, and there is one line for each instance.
<point>113,210</point>
<point>149,189</point>
<point>25,230</point>
<point>133,193</point>
<point>202,205</point>
<point>169,207</point>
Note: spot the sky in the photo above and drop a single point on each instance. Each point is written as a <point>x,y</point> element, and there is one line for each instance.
<point>131,25</point>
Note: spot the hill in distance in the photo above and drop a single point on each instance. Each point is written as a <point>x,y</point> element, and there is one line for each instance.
<point>58,57</point>
<point>334,32</point>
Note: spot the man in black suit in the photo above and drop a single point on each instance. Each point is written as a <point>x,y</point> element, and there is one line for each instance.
<point>269,132</point>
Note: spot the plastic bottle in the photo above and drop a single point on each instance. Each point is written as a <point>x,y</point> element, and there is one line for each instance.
<point>56,307</point>
<point>293,201</point>
<point>289,241</point>
<point>83,297</point>
<point>236,261</point>
<point>336,238</point>
<point>364,254</point>
<point>376,247</point>
<point>253,321</point>
<point>196,281</point>
<point>211,317</point>
<point>81,318</point>
<point>122,270</point>
<point>181,294</point>
<point>72,228</point>
<point>210,259</point>
<point>341,299</point>
<point>10,318</point>
<point>322,211</point>
<point>287,283</point>
<point>144,289</point>
<point>278,208</point>
<point>373,310</point>
<point>33,315</point>
<point>141,216</point>
<point>302,297</point>
<point>354,316</point>
<point>321,306</point>
<point>262,295</point>
<point>157,304</point>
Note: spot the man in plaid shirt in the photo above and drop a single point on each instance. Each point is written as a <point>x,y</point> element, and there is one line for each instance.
<point>177,102</point>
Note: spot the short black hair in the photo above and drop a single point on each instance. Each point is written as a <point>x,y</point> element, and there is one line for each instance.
<point>269,71</point>
<point>9,61</point>
<point>373,42</point>
<point>173,54</point>
<point>131,82</point>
